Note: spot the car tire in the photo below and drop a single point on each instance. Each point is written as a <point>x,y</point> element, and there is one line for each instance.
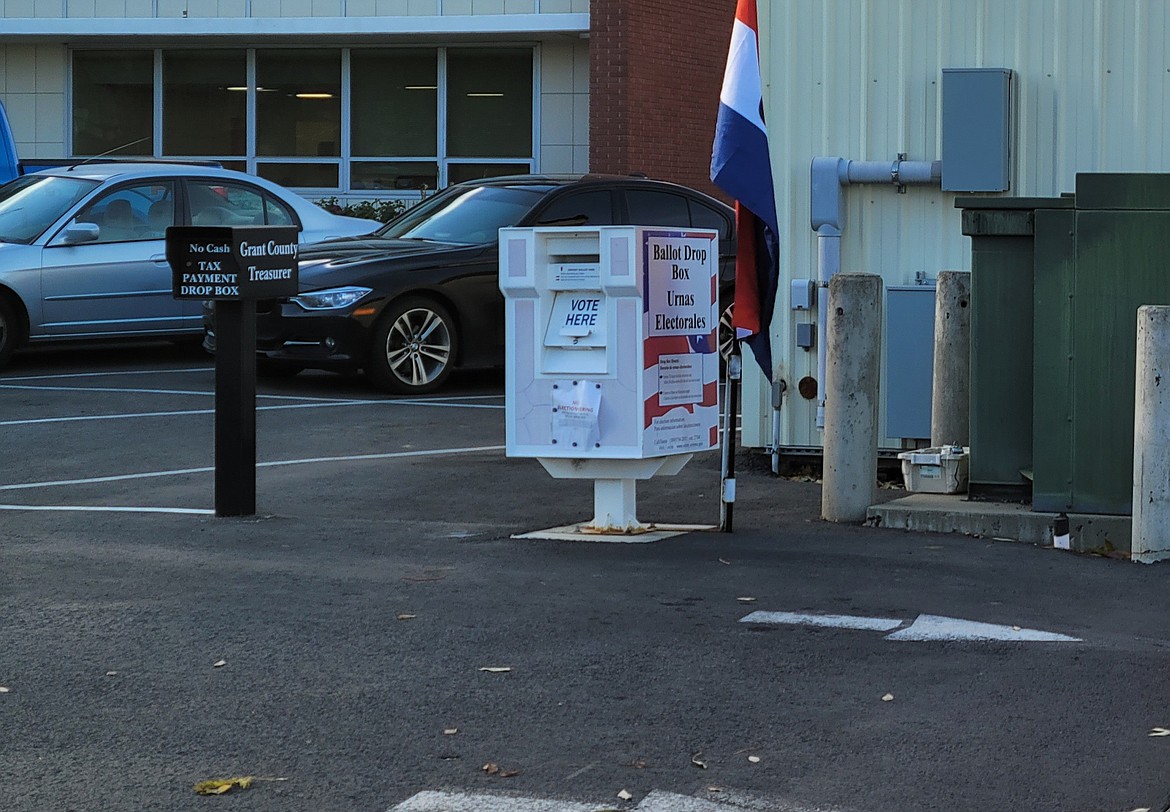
<point>414,347</point>
<point>9,330</point>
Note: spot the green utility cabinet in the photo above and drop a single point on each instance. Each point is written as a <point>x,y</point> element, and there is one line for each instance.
<point>1120,260</point>
<point>1003,250</point>
<point>1085,265</point>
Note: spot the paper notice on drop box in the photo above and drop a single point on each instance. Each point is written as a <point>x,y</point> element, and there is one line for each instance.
<point>576,409</point>
<point>680,379</point>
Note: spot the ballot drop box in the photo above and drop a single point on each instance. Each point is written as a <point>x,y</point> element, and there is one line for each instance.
<point>612,364</point>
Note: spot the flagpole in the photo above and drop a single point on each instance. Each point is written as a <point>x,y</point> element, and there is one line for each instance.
<point>727,491</point>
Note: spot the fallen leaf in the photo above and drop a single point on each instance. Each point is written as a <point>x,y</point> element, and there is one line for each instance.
<point>509,773</point>
<point>1159,731</point>
<point>888,698</point>
<point>714,789</point>
<point>219,664</point>
<point>496,669</point>
<point>4,689</point>
<point>450,731</point>
<point>491,768</point>
<point>754,759</point>
<point>407,617</point>
<point>218,786</point>
<point>638,764</point>
<point>425,576</point>
<point>746,599</point>
<point>111,673</point>
<point>724,561</point>
<point>1015,628</point>
<point>625,796</point>
<point>697,762</point>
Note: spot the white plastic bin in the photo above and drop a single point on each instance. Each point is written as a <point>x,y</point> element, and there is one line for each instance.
<point>935,470</point>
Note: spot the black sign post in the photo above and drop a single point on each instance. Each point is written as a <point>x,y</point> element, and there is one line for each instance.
<point>234,266</point>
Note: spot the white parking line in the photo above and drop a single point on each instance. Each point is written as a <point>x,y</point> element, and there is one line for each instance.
<point>5,379</point>
<point>483,802</point>
<point>111,509</point>
<point>450,402</point>
<point>437,452</point>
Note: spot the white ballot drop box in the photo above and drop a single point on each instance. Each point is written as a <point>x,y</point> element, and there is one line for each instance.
<point>612,365</point>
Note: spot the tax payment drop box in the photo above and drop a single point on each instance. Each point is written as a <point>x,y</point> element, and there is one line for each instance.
<point>232,262</point>
<point>612,341</point>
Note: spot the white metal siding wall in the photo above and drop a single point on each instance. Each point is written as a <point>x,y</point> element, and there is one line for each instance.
<point>862,79</point>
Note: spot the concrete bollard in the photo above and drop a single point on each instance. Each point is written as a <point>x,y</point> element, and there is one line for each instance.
<point>853,354</point>
<point>1150,539</point>
<point>950,396</point>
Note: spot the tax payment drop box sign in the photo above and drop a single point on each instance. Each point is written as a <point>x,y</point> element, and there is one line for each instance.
<point>227,263</point>
<point>680,341</point>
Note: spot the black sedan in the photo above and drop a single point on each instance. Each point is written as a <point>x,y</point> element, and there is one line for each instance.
<point>420,297</point>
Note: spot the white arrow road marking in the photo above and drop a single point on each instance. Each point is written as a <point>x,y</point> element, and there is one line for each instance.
<point>924,628</point>
<point>933,627</point>
<point>876,624</point>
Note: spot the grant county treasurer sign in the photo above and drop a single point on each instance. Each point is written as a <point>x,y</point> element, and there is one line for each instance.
<point>236,262</point>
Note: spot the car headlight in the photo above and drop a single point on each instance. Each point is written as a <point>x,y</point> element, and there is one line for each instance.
<point>330,299</point>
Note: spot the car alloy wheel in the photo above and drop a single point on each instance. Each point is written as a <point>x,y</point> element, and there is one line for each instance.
<point>414,347</point>
<point>726,334</point>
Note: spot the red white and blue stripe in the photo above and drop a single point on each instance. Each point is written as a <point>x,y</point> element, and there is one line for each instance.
<point>740,166</point>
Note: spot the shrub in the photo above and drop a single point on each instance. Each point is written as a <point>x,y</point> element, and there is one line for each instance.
<point>382,210</point>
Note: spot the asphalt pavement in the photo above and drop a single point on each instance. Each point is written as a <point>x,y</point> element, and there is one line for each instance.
<point>376,639</point>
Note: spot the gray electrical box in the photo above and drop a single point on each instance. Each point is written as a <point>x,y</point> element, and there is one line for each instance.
<point>806,336</point>
<point>909,373</point>
<point>976,130</point>
<point>804,294</point>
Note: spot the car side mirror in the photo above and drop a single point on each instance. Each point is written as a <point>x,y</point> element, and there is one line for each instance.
<point>80,232</point>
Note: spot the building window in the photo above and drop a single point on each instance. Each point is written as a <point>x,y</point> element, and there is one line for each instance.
<point>416,118</point>
<point>489,102</point>
<point>394,108</point>
<point>113,103</point>
<point>298,115</point>
<point>201,87</point>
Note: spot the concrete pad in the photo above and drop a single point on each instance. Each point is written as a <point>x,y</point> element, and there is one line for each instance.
<point>954,513</point>
<point>575,532</point>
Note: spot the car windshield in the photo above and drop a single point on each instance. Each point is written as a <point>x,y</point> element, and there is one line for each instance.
<point>30,204</point>
<point>466,216</point>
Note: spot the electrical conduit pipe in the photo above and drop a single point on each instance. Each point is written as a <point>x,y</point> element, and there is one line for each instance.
<point>830,176</point>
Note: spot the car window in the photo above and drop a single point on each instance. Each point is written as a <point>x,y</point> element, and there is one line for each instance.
<point>467,215</point>
<point>219,203</point>
<point>140,211</point>
<point>707,217</point>
<point>594,208</point>
<point>31,204</point>
<point>277,213</point>
<point>651,208</point>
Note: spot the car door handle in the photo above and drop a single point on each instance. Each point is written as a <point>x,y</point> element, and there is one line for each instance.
<point>160,259</point>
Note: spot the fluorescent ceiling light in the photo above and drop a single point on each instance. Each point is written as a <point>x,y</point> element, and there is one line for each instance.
<point>420,87</point>
<point>314,95</point>
<point>485,95</point>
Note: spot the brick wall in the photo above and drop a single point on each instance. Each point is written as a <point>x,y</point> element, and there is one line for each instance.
<point>656,67</point>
